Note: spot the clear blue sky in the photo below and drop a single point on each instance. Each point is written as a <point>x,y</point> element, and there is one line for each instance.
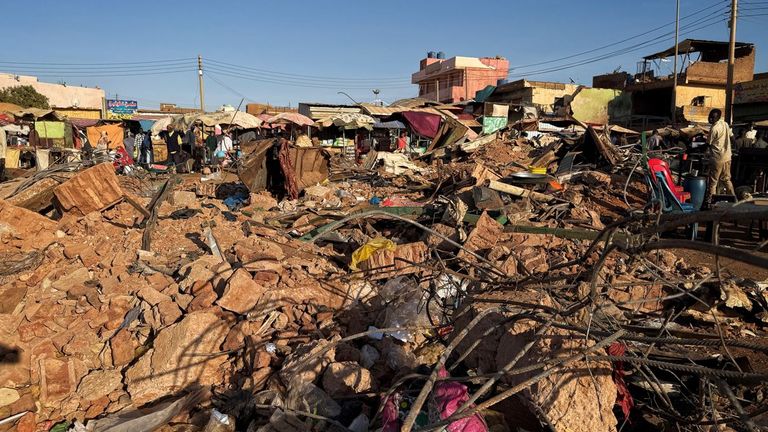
<point>341,45</point>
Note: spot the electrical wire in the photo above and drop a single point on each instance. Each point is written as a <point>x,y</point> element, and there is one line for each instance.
<point>623,40</point>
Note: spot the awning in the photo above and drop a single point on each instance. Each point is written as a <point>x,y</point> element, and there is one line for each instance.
<point>424,124</point>
<point>83,123</point>
<point>289,117</point>
<point>394,124</point>
<point>348,121</point>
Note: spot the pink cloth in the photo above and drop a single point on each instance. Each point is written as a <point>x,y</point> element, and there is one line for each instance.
<point>389,415</point>
<point>449,396</point>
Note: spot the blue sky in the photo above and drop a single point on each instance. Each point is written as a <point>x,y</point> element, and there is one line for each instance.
<point>294,51</point>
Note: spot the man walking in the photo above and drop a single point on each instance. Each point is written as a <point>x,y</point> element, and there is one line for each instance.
<point>720,136</point>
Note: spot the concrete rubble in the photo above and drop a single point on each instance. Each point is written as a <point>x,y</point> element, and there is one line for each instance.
<point>157,304</point>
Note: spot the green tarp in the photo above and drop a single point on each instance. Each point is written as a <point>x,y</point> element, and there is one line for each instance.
<point>492,124</point>
<point>50,129</point>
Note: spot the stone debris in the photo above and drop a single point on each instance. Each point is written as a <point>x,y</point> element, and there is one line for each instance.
<point>194,302</point>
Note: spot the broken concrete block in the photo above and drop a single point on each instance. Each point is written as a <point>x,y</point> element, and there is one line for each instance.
<point>35,230</point>
<point>99,384</point>
<point>578,397</point>
<point>179,357</point>
<point>186,199</point>
<point>261,201</point>
<point>397,262</point>
<point>123,347</point>
<point>242,293</point>
<point>308,361</point>
<point>305,396</point>
<point>483,238</point>
<point>59,378</point>
<point>254,248</point>
<point>8,396</point>
<point>346,379</point>
<point>152,296</point>
<point>90,190</point>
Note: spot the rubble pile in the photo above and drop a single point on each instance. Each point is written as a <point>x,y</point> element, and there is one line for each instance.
<point>394,296</point>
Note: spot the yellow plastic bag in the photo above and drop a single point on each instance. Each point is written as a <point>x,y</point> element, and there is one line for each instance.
<point>365,251</point>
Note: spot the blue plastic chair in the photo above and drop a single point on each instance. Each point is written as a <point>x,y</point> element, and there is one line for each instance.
<point>669,203</point>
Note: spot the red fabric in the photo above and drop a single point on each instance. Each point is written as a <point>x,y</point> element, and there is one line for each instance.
<point>291,187</point>
<point>424,124</point>
<point>623,396</point>
<point>122,158</point>
<point>401,143</point>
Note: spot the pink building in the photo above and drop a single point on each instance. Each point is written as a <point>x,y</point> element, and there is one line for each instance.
<point>458,78</point>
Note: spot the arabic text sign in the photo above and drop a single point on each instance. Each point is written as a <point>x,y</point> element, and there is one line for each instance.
<point>117,106</point>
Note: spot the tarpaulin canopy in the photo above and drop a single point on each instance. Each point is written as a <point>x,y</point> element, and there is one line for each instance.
<point>424,124</point>
<point>237,119</point>
<point>146,125</point>
<point>290,117</point>
<point>160,125</point>
<point>394,124</point>
<point>115,132</point>
<point>348,121</point>
<point>83,123</point>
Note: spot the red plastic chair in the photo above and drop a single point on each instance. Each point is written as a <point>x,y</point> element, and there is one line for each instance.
<point>661,166</point>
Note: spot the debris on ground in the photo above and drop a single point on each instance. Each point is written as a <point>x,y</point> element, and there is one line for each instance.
<point>492,284</point>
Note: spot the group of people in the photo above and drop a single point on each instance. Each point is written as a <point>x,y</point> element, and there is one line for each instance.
<point>751,138</point>
<point>197,146</point>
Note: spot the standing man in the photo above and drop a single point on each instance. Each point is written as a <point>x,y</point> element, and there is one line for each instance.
<point>720,136</point>
<point>656,141</point>
<point>173,144</point>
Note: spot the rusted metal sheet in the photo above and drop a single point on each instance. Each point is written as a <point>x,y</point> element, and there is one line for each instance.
<point>253,169</point>
<point>310,165</point>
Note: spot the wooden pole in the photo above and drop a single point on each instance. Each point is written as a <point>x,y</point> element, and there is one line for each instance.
<point>200,81</point>
<point>674,67</point>
<point>731,63</point>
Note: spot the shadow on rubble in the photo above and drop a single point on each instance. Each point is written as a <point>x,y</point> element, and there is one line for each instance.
<point>9,354</point>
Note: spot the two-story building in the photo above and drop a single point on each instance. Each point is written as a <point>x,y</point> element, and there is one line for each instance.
<point>458,78</point>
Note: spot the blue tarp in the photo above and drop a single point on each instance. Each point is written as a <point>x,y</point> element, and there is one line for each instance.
<point>146,125</point>
<point>394,124</point>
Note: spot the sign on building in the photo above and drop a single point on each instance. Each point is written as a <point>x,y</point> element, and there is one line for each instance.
<point>117,108</point>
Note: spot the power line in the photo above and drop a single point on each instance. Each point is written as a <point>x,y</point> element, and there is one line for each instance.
<point>99,64</point>
<point>626,50</point>
<point>101,74</point>
<point>621,41</point>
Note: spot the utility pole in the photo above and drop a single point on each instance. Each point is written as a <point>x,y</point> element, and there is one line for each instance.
<point>731,63</point>
<point>674,67</point>
<point>200,80</point>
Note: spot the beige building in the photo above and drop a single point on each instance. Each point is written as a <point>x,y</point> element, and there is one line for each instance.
<point>701,80</point>
<point>61,96</point>
<point>541,94</point>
